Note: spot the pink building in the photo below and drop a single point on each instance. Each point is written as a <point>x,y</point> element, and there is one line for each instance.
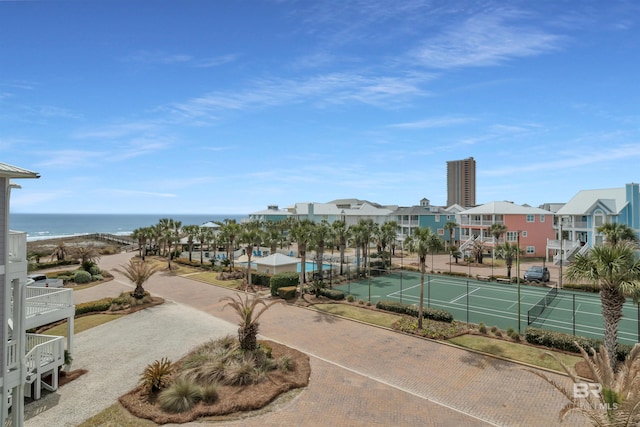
<point>535,226</point>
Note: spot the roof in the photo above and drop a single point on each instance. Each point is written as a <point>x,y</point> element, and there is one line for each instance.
<point>275,260</point>
<point>505,208</point>
<point>16,172</point>
<point>613,199</point>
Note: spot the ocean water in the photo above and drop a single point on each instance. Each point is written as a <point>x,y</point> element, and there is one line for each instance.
<point>48,226</point>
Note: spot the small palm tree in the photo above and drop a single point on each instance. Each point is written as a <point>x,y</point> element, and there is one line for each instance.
<point>419,243</point>
<point>60,252</point>
<point>615,233</point>
<point>508,251</point>
<point>138,272</point>
<point>617,403</point>
<point>247,309</point>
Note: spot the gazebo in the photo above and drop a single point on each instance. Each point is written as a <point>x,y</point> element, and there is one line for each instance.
<point>276,263</point>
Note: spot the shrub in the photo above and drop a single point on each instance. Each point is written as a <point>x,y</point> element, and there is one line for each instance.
<point>97,277</point>
<point>93,306</point>
<point>287,292</point>
<point>260,279</point>
<point>333,294</point>
<point>285,364</point>
<point>209,392</point>
<point>482,329</point>
<point>516,337</point>
<point>498,333</point>
<point>282,280</point>
<point>494,329</point>
<point>94,270</point>
<point>156,375</point>
<point>181,396</point>
<point>351,298</point>
<point>82,276</point>
<point>361,302</point>
<point>412,310</point>
<point>566,342</point>
<point>510,332</point>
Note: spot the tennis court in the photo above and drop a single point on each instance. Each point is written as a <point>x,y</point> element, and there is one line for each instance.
<point>496,304</point>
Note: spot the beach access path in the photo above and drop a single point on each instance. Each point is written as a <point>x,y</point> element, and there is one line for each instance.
<point>361,375</point>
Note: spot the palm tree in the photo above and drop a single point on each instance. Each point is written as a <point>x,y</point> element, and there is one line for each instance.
<point>251,235</point>
<point>138,272</point>
<point>343,234</point>
<point>387,237</point>
<point>87,255</point>
<point>60,252</point>
<point>508,251</point>
<point>249,314</point>
<point>450,226</point>
<point>419,243</point>
<point>191,231</point>
<point>617,403</point>
<point>322,233</point>
<point>369,231</point>
<point>496,230</point>
<point>358,236</point>
<point>435,244</point>
<point>206,236</point>
<point>302,233</point>
<point>616,269</point>
<point>615,232</point>
<point>229,229</point>
<point>163,227</point>
<point>273,236</point>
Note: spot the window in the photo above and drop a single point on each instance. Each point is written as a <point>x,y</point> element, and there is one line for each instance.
<point>598,220</point>
<point>440,231</point>
<point>524,234</point>
<point>437,218</point>
<point>531,218</point>
<point>531,250</point>
<point>512,236</point>
<point>541,218</point>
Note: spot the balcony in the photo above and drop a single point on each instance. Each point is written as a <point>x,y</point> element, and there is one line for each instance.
<point>47,305</point>
<point>17,252</point>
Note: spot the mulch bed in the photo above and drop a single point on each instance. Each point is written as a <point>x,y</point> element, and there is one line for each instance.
<point>232,399</point>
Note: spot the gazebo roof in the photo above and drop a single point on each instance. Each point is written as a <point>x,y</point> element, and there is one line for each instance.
<point>276,260</point>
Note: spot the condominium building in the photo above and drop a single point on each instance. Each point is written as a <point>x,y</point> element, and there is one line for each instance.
<point>461,182</point>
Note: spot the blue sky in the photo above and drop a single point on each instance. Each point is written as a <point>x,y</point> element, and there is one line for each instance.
<point>229,106</point>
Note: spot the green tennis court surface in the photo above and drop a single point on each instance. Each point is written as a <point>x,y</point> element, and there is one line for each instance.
<point>497,304</point>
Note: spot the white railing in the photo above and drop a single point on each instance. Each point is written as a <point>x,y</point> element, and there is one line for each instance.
<point>43,350</point>
<point>17,246</point>
<point>43,300</point>
<point>463,247</point>
<point>13,358</point>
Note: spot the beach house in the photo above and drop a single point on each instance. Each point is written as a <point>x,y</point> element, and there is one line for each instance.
<point>576,222</point>
<point>532,227</point>
<point>30,361</point>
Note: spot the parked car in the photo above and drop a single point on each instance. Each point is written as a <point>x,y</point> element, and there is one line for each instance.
<point>44,281</point>
<point>537,274</point>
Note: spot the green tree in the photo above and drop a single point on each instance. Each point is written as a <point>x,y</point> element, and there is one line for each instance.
<point>302,233</point>
<point>322,233</point>
<point>206,236</point>
<point>251,236</point>
<point>249,312</point>
<point>60,252</point>
<point>387,235</point>
<point>343,235</point>
<point>138,272</point>
<point>420,243</point>
<point>369,230</point>
<point>508,252</point>
<point>450,226</point>
<point>615,268</point>
<point>191,231</point>
<point>496,230</point>
<point>615,233</point>
<point>435,244</point>
<point>229,231</point>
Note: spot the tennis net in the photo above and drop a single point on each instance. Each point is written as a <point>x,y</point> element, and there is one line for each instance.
<point>539,308</point>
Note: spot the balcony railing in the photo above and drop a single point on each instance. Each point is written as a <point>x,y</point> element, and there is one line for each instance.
<point>17,246</point>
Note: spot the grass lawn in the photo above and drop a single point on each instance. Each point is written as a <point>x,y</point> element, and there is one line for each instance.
<point>514,351</point>
<point>82,324</point>
<point>212,278</point>
<point>116,415</point>
<point>359,313</point>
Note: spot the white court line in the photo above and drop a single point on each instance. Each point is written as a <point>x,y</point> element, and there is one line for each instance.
<point>464,295</point>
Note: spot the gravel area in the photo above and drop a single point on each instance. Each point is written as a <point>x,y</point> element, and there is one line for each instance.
<point>133,341</point>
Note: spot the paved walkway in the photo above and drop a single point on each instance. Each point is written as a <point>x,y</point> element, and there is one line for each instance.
<point>361,375</point>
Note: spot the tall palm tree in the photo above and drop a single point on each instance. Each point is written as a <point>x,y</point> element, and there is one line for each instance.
<point>206,236</point>
<point>163,227</point>
<point>230,230</point>
<point>617,232</point>
<point>138,272</point>
<point>322,233</point>
<point>251,235</point>
<point>273,236</point>
<point>450,226</point>
<point>508,251</point>
<point>616,269</point>
<point>358,236</point>
<point>419,243</point>
<point>369,231</point>
<point>191,231</point>
<point>249,313</point>
<point>387,235</point>
<point>302,233</point>
<point>496,230</point>
<point>343,234</point>
<point>435,244</point>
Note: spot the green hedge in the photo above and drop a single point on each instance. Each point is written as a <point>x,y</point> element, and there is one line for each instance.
<point>412,310</point>
<point>287,292</point>
<point>333,294</point>
<point>586,287</point>
<point>93,306</point>
<point>82,276</point>
<point>282,280</point>
<point>566,342</point>
<point>261,279</point>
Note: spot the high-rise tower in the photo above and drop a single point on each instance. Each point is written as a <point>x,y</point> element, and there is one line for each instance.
<point>461,182</point>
